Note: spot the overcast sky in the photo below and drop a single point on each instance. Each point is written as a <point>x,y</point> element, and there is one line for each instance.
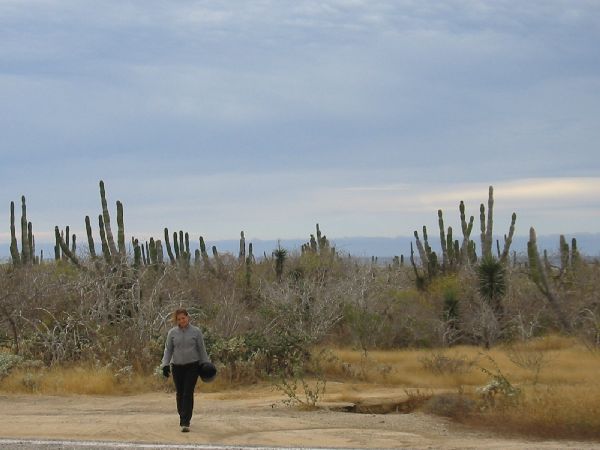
<point>269,116</point>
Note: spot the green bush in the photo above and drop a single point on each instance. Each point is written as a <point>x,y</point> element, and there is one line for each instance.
<point>8,362</point>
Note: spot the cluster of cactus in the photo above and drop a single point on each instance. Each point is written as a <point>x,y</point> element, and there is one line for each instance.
<point>248,260</point>
<point>569,258</point>
<point>454,253</point>
<point>318,245</point>
<point>62,250</point>
<point>280,256</point>
<point>147,253</point>
<point>398,261</point>
<point>181,246</point>
<point>27,254</point>
<point>202,253</point>
<point>538,272</point>
<point>111,253</point>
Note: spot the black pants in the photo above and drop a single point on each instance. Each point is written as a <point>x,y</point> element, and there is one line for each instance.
<point>185,377</point>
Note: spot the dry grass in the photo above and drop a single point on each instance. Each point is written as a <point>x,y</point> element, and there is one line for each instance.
<point>557,377</point>
<point>565,361</point>
<point>76,380</point>
<point>559,411</point>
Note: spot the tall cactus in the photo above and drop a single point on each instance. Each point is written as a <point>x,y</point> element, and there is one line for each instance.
<point>67,237</point>
<point>490,224</point>
<point>106,217</point>
<point>24,239</point>
<point>322,242</point>
<point>182,245</point>
<point>242,253</point>
<point>482,229</point>
<point>313,244</point>
<point>176,247</point>
<point>188,254</point>
<point>421,249</point>
<point>217,258</point>
<point>420,279</point>
<point>90,237</point>
<point>538,274</point>
<point>455,254</point>
<point>168,245</point>
<point>564,254</point>
<point>445,261</point>
<point>65,248</point>
<point>159,252</point>
<point>319,237</point>
<point>450,252</point>
<point>575,257</point>
<point>31,242</point>
<point>105,248</point>
<point>27,254</point>
<point>466,231</point>
<point>145,254</point>
<point>56,249</point>
<point>121,229</point>
<point>152,252</point>
<point>508,239</point>
<point>204,254</point>
<point>14,249</point>
<point>137,253</point>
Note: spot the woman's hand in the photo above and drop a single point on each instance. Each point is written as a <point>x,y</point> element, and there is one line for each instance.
<point>166,371</point>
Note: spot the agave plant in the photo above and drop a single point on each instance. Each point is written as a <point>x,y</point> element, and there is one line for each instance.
<point>492,282</point>
<point>280,255</point>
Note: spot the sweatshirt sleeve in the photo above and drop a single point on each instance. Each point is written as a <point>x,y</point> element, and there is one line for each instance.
<point>202,348</point>
<point>168,353</point>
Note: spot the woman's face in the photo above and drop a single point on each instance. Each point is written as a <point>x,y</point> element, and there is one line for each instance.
<point>182,320</point>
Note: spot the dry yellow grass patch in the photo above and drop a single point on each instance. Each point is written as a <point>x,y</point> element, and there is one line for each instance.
<point>557,377</point>
<point>550,411</point>
<point>87,380</point>
<point>76,380</point>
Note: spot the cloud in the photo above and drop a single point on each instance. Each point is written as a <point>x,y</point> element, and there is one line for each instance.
<point>369,115</point>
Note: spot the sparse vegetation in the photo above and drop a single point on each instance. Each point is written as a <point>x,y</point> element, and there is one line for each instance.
<point>102,315</point>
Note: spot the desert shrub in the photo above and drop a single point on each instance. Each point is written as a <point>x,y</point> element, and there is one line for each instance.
<point>8,362</point>
<point>442,364</point>
<point>258,354</point>
<point>294,384</point>
<point>530,359</point>
<point>117,316</point>
<point>499,392</point>
<point>453,405</point>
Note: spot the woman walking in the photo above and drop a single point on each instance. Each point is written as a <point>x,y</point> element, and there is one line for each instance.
<point>185,351</point>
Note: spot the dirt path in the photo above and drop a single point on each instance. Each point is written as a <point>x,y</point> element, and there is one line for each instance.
<point>257,419</point>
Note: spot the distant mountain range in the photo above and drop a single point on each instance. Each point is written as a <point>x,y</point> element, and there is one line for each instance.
<point>381,247</point>
<point>587,243</point>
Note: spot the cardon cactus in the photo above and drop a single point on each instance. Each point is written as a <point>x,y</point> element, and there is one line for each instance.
<point>455,254</point>
<point>106,218</point>
<point>14,249</point>
<point>27,254</point>
<point>538,274</point>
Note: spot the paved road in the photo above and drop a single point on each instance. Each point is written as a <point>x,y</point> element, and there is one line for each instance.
<point>31,444</point>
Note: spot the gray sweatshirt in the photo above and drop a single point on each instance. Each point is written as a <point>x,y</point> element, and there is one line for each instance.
<point>184,346</point>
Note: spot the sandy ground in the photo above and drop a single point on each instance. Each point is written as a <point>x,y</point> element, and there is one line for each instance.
<point>255,418</point>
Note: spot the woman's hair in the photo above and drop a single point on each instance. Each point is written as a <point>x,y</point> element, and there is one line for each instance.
<point>177,312</point>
